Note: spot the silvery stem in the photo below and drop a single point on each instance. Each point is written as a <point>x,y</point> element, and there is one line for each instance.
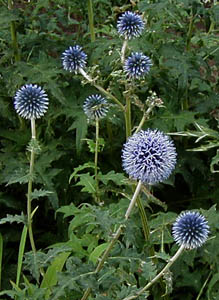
<point>158,276</point>
<point>133,201</point>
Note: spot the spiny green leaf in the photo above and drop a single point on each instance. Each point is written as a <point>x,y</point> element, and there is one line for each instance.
<point>80,168</point>
<point>16,136</point>
<point>163,255</point>
<point>16,218</point>
<point>88,183</point>
<point>148,271</point>
<point>40,193</point>
<point>9,293</point>
<point>117,178</point>
<point>80,124</point>
<point>7,16</point>
<point>50,278</point>
<point>34,261</point>
<point>68,210</point>
<point>215,162</point>
<point>205,147</point>
<point>97,252</point>
<point>19,177</point>
<point>183,119</point>
<point>92,145</point>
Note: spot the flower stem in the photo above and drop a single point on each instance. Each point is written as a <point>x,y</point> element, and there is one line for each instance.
<point>91,19</point>
<point>144,118</point>
<point>204,285</point>
<point>102,90</point>
<point>14,35</point>
<point>96,160</point>
<point>127,113</point>
<point>29,192</point>
<point>146,231</point>
<point>124,46</point>
<point>115,238</point>
<point>190,31</point>
<point>144,222</point>
<point>133,201</point>
<point>158,276</point>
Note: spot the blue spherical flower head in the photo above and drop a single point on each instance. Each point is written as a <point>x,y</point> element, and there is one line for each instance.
<point>95,106</point>
<point>149,156</point>
<point>137,65</point>
<point>130,25</point>
<point>74,59</point>
<point>31,101</point>
<point>190,229</point>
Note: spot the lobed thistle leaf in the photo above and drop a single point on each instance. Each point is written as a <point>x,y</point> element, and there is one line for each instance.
<point>95,106</point>
<point>137,65</point>
<point>130,25</point>
<point>149,156</point>
<point>190,229</point>
<point>31,101</point>
<point>74,59</point>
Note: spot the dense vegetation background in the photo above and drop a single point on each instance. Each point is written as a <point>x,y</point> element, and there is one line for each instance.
<point>181,38</point>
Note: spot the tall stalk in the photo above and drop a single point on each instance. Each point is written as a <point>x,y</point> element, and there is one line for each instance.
<point>96,160</point>
<point>91,19</point>
<point>127,113</point>
<point>190,32</point>
<point>30,183</point>
<point>115,237</point>
<point>124,46</point>
<point>14,35</point>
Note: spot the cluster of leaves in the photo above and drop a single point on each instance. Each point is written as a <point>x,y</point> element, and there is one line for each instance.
<point>180,39</point>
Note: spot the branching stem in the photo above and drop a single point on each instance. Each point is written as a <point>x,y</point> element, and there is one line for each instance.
<point>102,90</point>
<point>144,118</point>
<point>158,276</point>
<point>29,192</point>
<point>115,238</point>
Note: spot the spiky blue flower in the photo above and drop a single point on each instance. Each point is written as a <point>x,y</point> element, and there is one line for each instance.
<point>149,156</point>
<point>95,106</point>
<point>190,229</point>
<point>31,101</point>
<point>137,65</point>
<point>130,25</point>
<point>73,59</point>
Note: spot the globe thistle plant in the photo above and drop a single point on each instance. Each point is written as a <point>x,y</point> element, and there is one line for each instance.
<point>130,25</point>
<point>190,229</point>
<point>74,59</point>
<point>95,106</point>
<point>149,156</point>
<point>137,65</point>
<point>31,101</point>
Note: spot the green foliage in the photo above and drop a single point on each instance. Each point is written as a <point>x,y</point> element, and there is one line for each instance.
<point>15,218</point>
<point>71,230</point>
<point>21,254</point>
